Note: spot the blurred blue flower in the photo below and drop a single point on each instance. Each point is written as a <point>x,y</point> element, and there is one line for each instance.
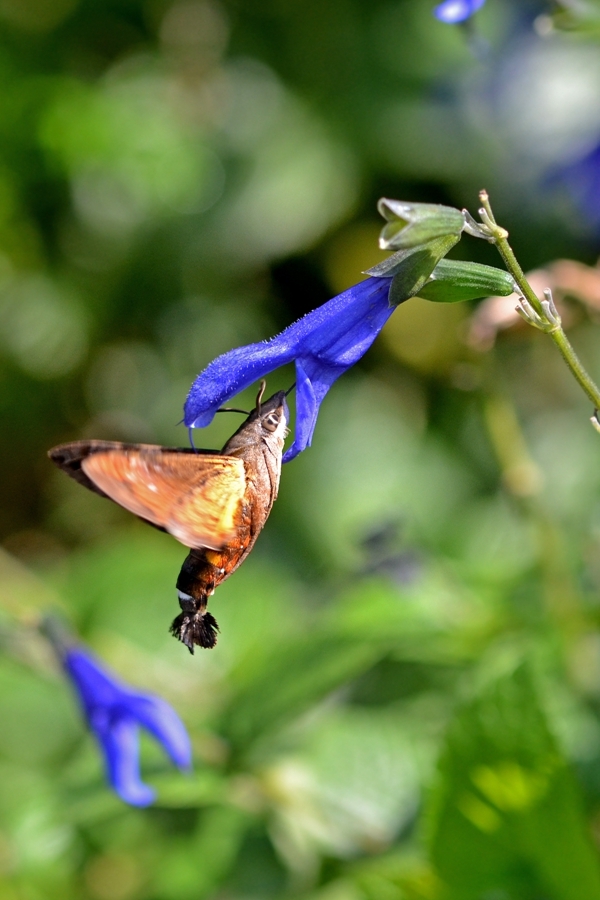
<point>582,180</point>
<point>114,713</point>
<point>323,344</point>
<point>454,11</point>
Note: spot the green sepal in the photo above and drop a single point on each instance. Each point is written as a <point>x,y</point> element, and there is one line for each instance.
<point>410,269</point>
<point>403,260</point>
<point>411,224</point>
<point>453,281</point>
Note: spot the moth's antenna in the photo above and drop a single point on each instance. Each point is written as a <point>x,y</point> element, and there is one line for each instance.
<point>260,395</point>
<point>233,409</point>
<point>289,390</point>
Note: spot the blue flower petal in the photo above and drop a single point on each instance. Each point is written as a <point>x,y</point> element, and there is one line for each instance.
<point>454,11</point>
<point>338,333</point>
<point>324,343</point>
<point>307,410</point>
<point>119,741</point>
<point>94,685</point>
<point>114,713</point>
<point>229,374</point>
<point>161,720</point>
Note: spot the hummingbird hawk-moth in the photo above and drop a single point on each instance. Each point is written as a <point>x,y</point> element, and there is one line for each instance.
<point>214,503</point>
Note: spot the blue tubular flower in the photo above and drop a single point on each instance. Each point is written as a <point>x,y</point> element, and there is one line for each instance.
<point>582,180</point>
<point>323,344</point>
<point>114,713</point>
<point>454,11</point>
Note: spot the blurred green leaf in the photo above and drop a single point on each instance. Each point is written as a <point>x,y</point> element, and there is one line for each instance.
<point>128,153</point>
<point>397,876</point>
<point>189,790</point>
<point>194,868</point>
<point>294,676</point>
<point>507,814</point>
<point>581,18</point>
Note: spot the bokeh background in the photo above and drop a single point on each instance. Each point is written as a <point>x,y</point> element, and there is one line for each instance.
<point>404,703</point>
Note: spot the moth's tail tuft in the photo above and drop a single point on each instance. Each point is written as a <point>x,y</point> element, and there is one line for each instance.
<point>198,628</point>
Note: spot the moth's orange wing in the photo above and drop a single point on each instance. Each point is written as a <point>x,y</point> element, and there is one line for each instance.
<point>69,457</point>
<point>195,497</point>
<point>211,506</point>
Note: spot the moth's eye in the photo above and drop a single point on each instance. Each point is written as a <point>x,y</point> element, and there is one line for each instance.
<point>270,422</point>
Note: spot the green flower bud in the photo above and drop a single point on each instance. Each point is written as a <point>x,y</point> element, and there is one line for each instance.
<point>410,224</point>
<point>453,281</point>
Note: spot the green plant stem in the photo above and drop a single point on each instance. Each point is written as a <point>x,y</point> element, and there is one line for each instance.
<point>556,333</point>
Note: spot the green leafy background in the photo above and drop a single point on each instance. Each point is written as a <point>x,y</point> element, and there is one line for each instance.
<point>404,703</point>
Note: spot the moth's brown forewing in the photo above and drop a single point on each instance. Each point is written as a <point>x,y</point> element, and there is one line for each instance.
<point>215,504</point>
<point>193,497</point>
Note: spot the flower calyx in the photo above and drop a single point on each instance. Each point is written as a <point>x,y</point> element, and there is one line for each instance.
<point>411,224</point>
